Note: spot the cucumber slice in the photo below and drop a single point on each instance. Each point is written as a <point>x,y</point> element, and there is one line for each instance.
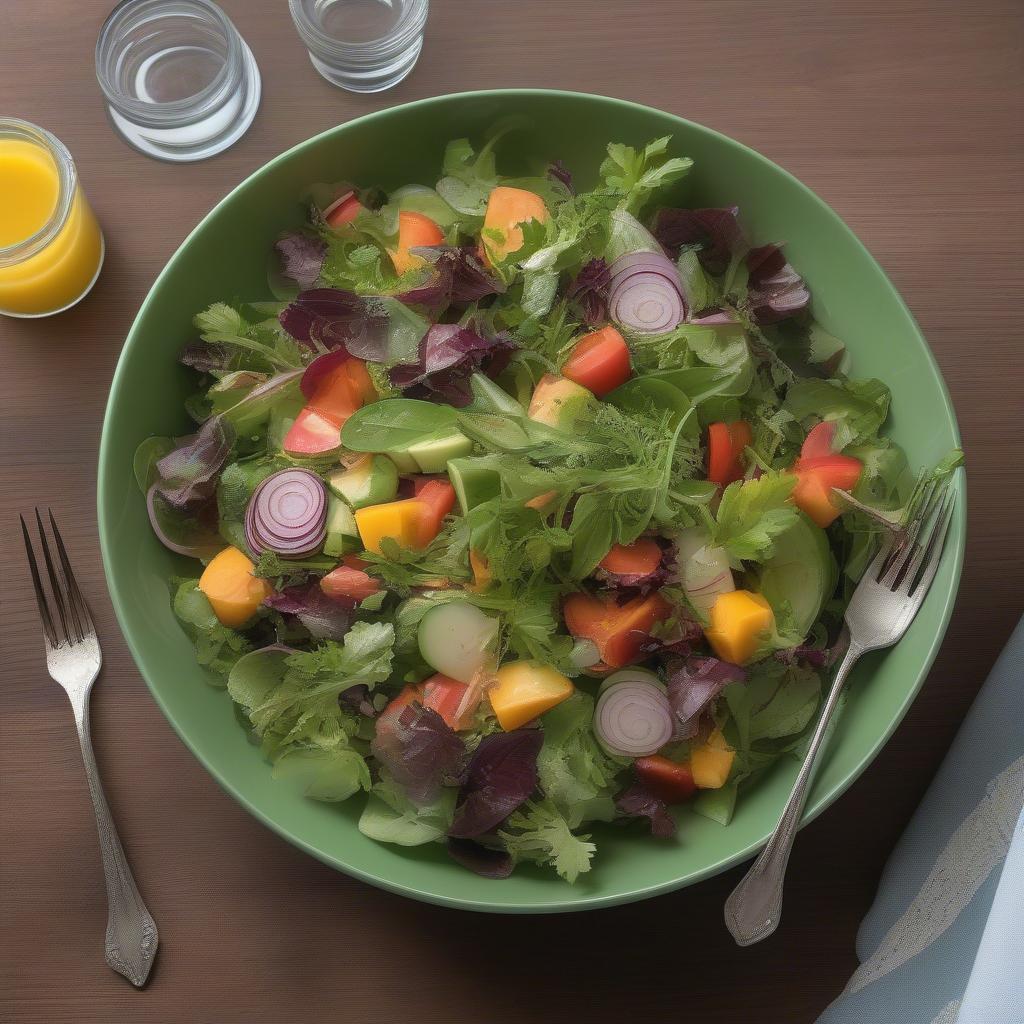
<point>801,574</point>
<point>474,484</point>
<point>342,532</point>
<point>432,456</point>
<point>457,639</point>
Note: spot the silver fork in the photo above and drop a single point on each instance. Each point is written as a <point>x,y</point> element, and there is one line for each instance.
<point>73,659</point>
<point>883,606</point>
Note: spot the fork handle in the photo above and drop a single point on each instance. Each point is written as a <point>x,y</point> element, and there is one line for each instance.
<point>754,909</point>
<point>131,939</point>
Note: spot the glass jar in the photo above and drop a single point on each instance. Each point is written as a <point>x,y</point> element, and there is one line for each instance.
<point>361,45</point>
<point>51,248</point>
<point>180,82</point>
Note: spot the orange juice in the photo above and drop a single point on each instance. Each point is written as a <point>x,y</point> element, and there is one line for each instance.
<point>51,248</point>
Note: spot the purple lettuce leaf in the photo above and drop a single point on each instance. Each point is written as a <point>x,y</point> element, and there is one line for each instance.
<point>302,257</point>
<point>775,291</point>
<point>639,802</point>
<point>481,860</point>
<point>357,700</point>
<point>193,533</point>
<point>817,655</point>
<point>448,356</point>
<point>717,231</point>
<point>692,687</point>
<point>457,278</point>
<point>501,776</point>
<point>557,171</point>
<point>326,618</point>
<point>329,318</point>
<point>589,290</point>
<point>421,752</point>
<point>188,474</point>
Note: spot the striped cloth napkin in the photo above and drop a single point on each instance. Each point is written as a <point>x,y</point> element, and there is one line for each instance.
<point>944,941</point>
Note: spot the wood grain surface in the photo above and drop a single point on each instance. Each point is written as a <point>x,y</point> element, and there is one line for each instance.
<point>905,116</point>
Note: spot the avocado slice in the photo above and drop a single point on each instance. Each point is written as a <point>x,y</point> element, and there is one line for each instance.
<point>342,532</point>
<point>559,402</point>
<point>372,480</point>
<point>432,455</point>
<point>801,574</point>
<point>474,484</point>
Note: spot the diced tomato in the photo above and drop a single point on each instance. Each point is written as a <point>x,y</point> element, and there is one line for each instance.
<point>619,631</point>
<point>599,361</point>
<point>421,480</point>
<point>726,443</point>
<point>317,428</point>
<point>438,499</point>
<point>349,582</point>
<point>344,212</point>
<point>819,440</point>
<point>444,695</point>
<point>669,780</point>
<point>640,558</point>
<point>819,469</point>
<point>387,718</point>
<point>312,434</point>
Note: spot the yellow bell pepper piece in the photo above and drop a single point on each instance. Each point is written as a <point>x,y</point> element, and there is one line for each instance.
<point>711,762</point>
<point>399,520</point>
<point>232,590</point>
<point>482,576</point>
<point>526,689</point>
<point>739,620</point>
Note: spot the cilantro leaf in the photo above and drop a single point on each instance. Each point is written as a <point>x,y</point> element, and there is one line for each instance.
<point>635,174</point>
<point>538,833</point>
<point>752,513</point>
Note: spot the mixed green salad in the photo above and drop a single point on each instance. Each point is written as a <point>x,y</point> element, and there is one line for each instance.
<point>523,507</point>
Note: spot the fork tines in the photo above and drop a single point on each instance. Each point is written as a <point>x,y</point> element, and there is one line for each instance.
<point>72,613</point>
<point>911,564</point>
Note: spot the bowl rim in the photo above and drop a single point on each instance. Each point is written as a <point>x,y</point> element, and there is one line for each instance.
<point>817,803</point>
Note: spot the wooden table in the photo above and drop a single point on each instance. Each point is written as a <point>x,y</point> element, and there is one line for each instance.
<point>904,116</point>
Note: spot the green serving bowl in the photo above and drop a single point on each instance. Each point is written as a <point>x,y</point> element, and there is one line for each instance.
<point>226,257</point>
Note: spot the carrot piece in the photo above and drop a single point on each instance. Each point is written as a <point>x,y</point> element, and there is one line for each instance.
<point>507,210</point>
<point>414,229</point>
<point>540,501</point>
<point>599,361</point>
<point>726,442</point>
<point>619,631</point>
<point>640,558</point>
<point>406,696</point>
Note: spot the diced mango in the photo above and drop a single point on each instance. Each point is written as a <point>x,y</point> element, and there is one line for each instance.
<point>739,620</point>
<point>526,689</point>
<point>232,590</point>
<point>402,521</point>
<point>482,575</point>
<point>711,762</point>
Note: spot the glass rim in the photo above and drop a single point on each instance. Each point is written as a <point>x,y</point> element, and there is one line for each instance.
<point>409,25</point>
<point>159,114</point>
<point>67,184</point>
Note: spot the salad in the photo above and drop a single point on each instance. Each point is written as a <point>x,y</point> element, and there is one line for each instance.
<point>523,507</point>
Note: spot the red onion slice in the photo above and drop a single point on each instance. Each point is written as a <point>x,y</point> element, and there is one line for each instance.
<point>645,294</point>
<point>287,514</point>
<point>633,717</point>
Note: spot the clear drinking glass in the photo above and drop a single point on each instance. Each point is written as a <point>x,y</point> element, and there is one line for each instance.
<point>180,82</point>
<point>361,45</point>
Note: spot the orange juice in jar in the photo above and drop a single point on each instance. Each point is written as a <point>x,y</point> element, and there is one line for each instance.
<point>51,248</point>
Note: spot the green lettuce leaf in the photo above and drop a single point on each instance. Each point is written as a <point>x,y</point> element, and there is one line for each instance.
<point>859,406</point>
<point>391,817</point>
<point>217,646</point>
